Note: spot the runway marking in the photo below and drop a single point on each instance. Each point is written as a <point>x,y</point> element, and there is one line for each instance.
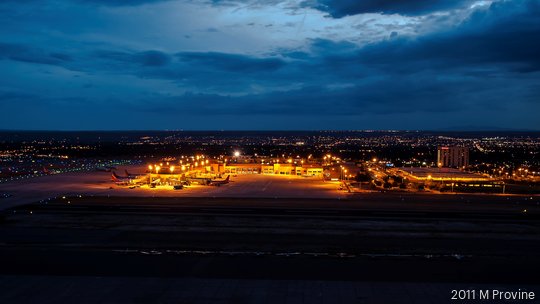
<point>266,186</point>
<point>311,211</point>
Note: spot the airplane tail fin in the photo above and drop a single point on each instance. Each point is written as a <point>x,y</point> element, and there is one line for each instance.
<point>227,179</point>
<point>114,177</point>
<point>127,173</point>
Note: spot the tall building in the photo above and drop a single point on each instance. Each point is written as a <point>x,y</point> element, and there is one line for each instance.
<point>453,157</point>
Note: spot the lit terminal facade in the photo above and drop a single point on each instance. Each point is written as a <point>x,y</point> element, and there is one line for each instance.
<point>441,174</point>
<point>275,168</point>
<point>452,179</point>
<point>204,171</point>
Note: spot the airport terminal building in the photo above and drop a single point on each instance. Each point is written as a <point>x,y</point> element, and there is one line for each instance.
<point>204,174</point>
<point>276,168</point>
<point>452,179</point>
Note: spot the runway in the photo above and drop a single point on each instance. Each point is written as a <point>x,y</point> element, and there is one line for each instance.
<point>222,228</point>
<point>373,239</point>
<point>367,206</point>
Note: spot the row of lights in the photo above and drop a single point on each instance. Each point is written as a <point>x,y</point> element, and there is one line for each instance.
<point>157,168</point>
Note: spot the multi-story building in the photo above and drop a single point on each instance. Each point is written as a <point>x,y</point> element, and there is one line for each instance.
<point>456,157</point>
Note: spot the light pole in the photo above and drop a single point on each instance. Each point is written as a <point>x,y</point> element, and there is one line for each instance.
<point>171,168</point>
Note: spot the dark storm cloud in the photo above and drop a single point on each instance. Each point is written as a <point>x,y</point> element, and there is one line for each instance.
<point>145,58</point>
<point>98,2</point>
<point>142,58</point>
<point>231,62</point>
<point>152,58</point>
<point>503,37</point>
<point>473,67</point>
<point>13,97</point>
<point>120,2</point>
<point>325,46</point>
<point>341,8</point>
<point>396,94</point>
<point>299,55</point>
<point>436,73</point>
<point>30,54</point>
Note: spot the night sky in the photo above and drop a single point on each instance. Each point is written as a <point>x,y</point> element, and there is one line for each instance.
<point>269,64</point>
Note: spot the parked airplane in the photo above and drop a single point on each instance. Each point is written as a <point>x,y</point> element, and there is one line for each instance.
<point>120,180</point>
<point>199,180</point>
<point>220,182</point>
<point>155,182</point>
<point>133,175</point>
<point>125,180</point>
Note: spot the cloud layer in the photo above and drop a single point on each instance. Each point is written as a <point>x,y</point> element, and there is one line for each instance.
<point>341,8</point>
<point>270,64</point>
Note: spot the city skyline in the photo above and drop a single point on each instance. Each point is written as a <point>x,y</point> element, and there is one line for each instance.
<point>270,65</point>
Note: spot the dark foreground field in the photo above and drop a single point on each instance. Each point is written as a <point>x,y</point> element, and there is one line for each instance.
<point>368,249</point>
